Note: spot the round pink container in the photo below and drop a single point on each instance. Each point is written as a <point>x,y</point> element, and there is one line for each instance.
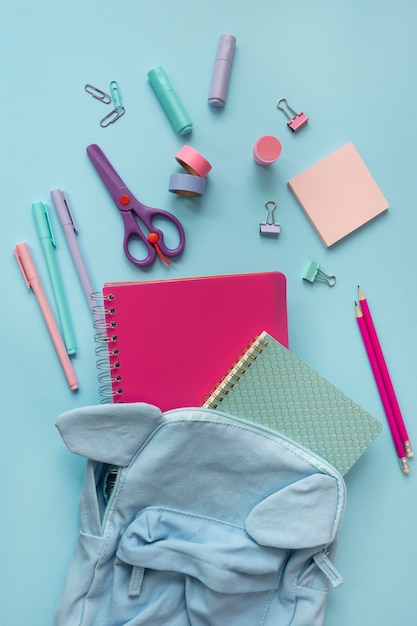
<point>266,150</point>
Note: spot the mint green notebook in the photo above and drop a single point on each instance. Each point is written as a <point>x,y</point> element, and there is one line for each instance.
<point>271,386</point>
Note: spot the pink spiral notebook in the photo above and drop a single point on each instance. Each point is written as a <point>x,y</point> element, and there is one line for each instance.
<point>170,341</point>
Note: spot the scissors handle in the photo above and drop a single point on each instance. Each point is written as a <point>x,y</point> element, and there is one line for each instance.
<point>155,240</point>
<point>130,208</point>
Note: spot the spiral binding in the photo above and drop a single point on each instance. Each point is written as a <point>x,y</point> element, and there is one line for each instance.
<point>99,297</point>
<point>238,370</point>
<point>107,352</point>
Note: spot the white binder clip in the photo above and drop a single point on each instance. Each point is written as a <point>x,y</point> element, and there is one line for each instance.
<point>295,120</point>
<point>269,227</point>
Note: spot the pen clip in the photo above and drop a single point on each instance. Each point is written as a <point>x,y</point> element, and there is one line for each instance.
<point>25,262</point>
<point>70,214</point>
<point>22,268</point>
<point>49,225</point>
<point>43,222</point>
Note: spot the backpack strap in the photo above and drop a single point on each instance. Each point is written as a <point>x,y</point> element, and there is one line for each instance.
<point>136,580</point>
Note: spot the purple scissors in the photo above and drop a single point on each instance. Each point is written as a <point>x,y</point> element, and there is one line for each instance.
<point>132,210</point>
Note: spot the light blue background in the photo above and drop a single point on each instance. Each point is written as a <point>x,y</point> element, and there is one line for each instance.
<point>350,66</point>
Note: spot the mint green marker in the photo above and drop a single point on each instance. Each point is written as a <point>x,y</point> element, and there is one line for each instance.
<point>171,104</point>
<point>46,236</point>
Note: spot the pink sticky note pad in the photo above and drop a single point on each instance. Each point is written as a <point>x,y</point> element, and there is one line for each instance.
<point>338,194</point>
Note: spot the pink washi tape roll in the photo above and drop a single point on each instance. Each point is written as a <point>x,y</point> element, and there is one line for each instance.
<point>266,150</point>
<point>193,161</point>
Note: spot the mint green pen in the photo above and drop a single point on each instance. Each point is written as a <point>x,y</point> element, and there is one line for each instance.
<point>46,236</point>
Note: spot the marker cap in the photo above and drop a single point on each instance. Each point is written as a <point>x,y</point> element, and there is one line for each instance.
<point>221,72</point>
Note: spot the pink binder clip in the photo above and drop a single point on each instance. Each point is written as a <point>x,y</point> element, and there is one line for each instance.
<point>295,120</point>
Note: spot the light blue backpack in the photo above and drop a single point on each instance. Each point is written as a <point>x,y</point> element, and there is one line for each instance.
<point>194,517</point>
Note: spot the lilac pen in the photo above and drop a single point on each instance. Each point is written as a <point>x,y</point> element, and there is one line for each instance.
<point>66,218</point>
<point>221,72</point>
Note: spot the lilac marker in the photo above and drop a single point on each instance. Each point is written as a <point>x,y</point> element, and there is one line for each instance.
<point>221,71</point>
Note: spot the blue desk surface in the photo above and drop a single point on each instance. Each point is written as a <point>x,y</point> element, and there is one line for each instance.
<point>350,66</point>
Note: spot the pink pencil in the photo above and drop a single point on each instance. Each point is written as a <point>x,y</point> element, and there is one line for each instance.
<point>382,391</point>
<point>384,373</point>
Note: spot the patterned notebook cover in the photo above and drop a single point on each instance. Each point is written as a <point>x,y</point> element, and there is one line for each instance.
<point>271,386</point>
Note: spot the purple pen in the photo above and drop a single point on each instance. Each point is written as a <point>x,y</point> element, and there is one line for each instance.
<point>221,72</point>
<point>70,229</point>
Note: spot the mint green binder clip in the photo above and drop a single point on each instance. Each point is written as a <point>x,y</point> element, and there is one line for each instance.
<point>313,272</point>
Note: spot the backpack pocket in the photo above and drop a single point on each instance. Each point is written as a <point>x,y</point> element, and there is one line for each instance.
<point>220,554</point>
<point>81,583</point>
<point>206,569</point>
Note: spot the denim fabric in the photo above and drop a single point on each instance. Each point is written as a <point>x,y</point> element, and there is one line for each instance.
<point>212,521</point>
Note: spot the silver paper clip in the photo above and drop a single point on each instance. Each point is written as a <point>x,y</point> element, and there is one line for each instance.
<point>98,94</point>
<point>269,227</point>
<point>295,120</point>
<point>118,110</point>
<point>313,272</point>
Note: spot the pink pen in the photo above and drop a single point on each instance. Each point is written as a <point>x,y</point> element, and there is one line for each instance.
<point>382,391</point>
<point>33,282</point>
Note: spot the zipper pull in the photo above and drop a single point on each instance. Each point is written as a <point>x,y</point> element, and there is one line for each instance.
<point>324,563</point>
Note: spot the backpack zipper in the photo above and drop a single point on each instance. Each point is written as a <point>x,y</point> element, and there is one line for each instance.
<point>116,474</point>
